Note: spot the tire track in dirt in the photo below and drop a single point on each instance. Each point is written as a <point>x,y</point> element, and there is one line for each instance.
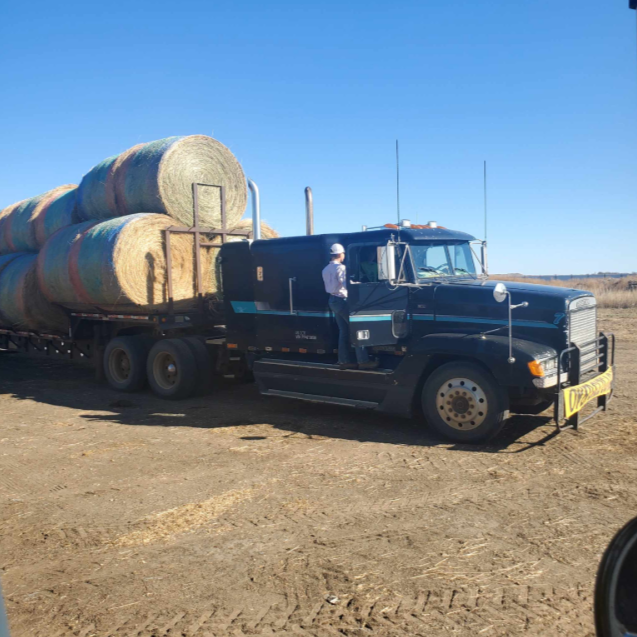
<point>503,611</point>
<point>482,497</point>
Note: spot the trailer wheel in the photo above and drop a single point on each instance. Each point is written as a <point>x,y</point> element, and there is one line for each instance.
<point>172,369</point>
<point>204,364</point>
<point>464,403</point>
<point>125,363</point>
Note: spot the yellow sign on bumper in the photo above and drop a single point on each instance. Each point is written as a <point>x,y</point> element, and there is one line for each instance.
<point>576,397</point>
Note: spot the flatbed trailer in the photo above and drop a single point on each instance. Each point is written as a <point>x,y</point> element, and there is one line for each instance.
<point>95,332</point>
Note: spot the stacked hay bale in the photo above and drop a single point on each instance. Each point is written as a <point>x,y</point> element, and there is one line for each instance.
<point>26,225</point>
<point>121,264</point>
<point>22,305</point>
<point>102,244</point>
<point>158,177</point>
<point>5,214</point>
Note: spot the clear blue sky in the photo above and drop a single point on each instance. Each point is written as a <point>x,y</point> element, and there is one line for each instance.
<point>316,93</point>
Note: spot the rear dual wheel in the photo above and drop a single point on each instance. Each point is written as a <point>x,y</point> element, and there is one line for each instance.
<point>464,403</point>
<point>125,362</point>
<point>179,368</point>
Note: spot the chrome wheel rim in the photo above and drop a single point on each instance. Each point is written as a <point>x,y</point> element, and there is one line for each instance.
<point>462,404</point>
<point>119,365</point>
<point>165,370</point>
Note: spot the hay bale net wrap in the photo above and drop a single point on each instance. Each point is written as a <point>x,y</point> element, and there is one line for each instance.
<point>5,213</point>
<point>100,188</point>
<point>121,264</point>
<point>55,280</point>
<point>158,176</point>
<point>94,198</point>
<point>58,212</point>
<point>27,220</point>
<point>8,258</point>
<point>22,305</point>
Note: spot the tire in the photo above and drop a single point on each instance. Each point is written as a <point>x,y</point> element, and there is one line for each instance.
<point>125,363</point>
<point>204,364</point>
<point>454,399</point>
<point>615,585</point>
<point>531,410</point>
<point>178,382</point>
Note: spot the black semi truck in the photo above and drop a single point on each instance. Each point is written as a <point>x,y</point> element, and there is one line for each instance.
<point>455,349</point>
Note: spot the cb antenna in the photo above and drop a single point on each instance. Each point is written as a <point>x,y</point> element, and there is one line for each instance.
<point>397,183</point>
<point>485,199</point>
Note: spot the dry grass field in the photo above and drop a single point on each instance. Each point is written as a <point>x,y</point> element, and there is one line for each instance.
<point>237,514</point>
<point>610,292</point>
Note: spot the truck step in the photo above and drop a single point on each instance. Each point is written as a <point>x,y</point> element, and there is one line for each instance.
<point>332,400</point>
<point>326,366</point>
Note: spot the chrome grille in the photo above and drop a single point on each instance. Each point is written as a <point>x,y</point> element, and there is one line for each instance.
<point>582,329</point>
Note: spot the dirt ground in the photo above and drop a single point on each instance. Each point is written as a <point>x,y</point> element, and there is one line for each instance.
<point>236,514</point>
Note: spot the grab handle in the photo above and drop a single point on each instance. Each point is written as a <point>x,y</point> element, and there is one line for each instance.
<point>291,281</point>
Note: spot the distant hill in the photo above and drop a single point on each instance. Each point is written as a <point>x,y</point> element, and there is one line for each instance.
<point>566,277</point>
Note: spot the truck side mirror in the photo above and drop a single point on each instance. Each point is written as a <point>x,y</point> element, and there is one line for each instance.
<point>386,256</point>
<point>616,586</point>
<point>500,292</point>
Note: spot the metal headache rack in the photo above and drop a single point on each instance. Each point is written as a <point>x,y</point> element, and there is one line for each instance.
<point>197,231</point>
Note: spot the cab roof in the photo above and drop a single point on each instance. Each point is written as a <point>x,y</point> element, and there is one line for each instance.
<point>378,235</point>
<point>412,234</point>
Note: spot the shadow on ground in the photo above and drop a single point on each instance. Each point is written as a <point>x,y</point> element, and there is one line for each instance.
<point>63,384</point>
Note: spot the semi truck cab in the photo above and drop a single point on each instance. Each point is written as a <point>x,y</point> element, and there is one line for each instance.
<point>455,347</point>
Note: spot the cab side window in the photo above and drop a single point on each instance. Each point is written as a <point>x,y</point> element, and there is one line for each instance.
<point>362,264</point>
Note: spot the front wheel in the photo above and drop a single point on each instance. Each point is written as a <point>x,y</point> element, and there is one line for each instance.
<point>464,403</point>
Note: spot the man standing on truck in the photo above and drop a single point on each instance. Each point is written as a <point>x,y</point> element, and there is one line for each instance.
<point>335,279</point>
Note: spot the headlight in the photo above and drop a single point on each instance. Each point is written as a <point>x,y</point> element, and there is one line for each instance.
<point>544,371</point>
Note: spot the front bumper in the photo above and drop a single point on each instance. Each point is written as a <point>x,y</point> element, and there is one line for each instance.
<point>577,389</point>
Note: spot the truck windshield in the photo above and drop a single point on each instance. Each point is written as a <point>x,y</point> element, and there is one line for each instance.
<point>433,259</point>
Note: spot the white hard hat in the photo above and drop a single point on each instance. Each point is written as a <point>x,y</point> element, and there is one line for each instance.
<point>337,248</point>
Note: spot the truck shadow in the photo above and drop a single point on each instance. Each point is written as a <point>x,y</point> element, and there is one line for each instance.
<point>60,384</point>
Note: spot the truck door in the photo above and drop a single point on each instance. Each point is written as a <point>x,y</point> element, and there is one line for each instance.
<point>378,310</point>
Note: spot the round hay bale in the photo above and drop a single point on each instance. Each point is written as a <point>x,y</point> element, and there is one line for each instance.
<point>7,258</point>
<point>21,224</point>
<point>245,225</point>
<point>56,213</point>
<point>53,266</point>
<point>18,232</point>
<point>118,183</point>
<point>22,305</point>
<point>95,194</point>
<point>121,263</point>
<point>158,176</point>
<point>4,218</point>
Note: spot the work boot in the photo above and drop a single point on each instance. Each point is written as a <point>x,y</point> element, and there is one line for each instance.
<point>348,366</point>
<point>368,365</point>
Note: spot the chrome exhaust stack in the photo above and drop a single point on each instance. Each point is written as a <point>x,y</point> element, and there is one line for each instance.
<point>309,211</point>
<point>256,210</point>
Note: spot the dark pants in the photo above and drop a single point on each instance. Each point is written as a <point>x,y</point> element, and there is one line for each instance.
<point>341,312</point>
